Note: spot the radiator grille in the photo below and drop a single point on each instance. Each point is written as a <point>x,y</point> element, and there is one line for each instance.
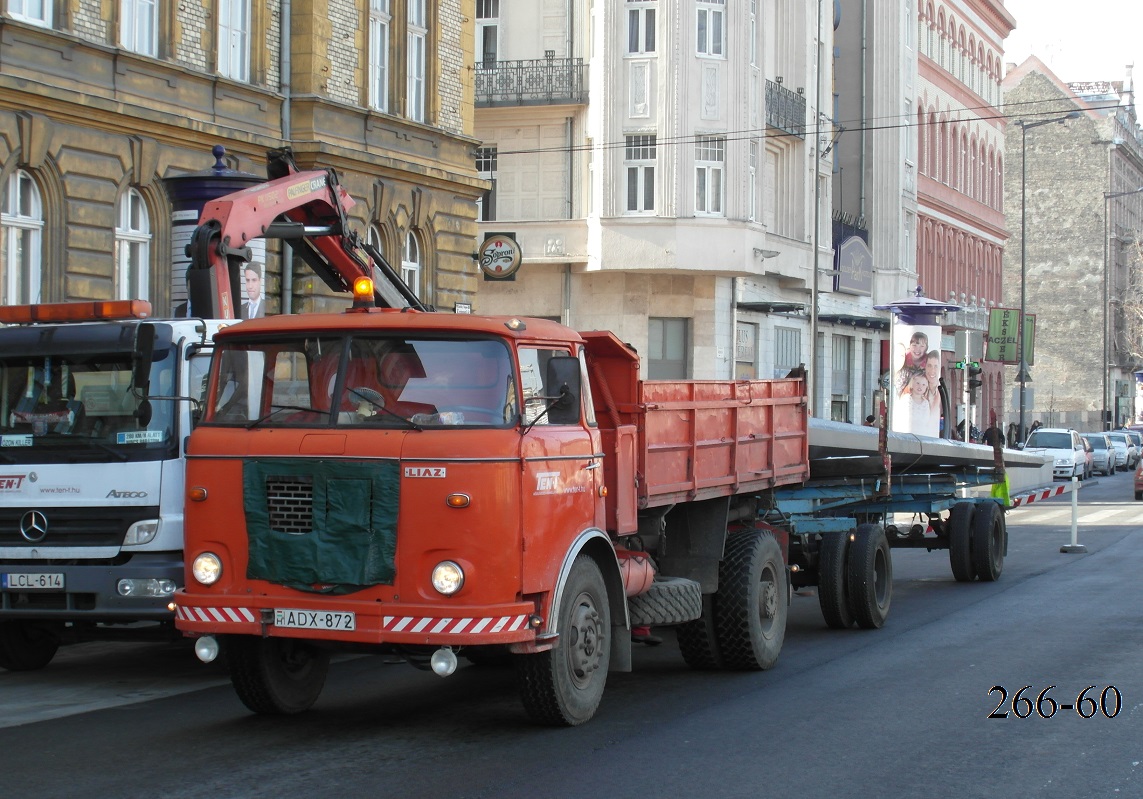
<point>291,503</point>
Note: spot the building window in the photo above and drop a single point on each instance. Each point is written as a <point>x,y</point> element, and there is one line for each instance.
<point>22,223</point>
<point>667,347</point>
<point>234,39</point>
<point>787,350</point>
<point>710,158</point>
<point>639,161</point>
<point>487,31</point>
<point>418,37</point>
<point>711,27</point>
<point>37,12</point>
<point>411,263</point>
<point>640,27</point>
<point>753,33</point>
<point>842,378</point>
<point>745,351</point>
<point>133,248</point>
<point>486,170</point>
<point>138,26</point>
<point>379,19</point>
<point>752,187</point>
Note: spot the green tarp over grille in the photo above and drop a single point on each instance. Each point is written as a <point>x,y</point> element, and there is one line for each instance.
<point>352,538</point>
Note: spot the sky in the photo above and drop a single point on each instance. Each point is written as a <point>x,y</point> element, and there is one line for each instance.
<point>1080,41</point>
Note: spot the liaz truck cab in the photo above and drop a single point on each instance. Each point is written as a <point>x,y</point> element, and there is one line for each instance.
<point>96,401</point>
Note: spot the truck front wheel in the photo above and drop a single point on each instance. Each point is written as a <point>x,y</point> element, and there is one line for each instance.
<point>276,676</point>
<point>563,686</point>
<point>28,645</point>
<point>750,605</point>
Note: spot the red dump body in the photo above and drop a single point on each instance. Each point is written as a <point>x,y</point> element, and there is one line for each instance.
<point>672,441</point>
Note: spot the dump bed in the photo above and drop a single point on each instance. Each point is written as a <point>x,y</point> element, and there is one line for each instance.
<point>671,441</point>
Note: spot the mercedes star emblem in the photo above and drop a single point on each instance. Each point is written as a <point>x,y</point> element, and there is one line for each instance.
<point>34,526</point>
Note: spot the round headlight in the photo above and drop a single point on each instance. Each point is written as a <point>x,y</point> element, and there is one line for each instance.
<point>448,577</point>
<point>207,568</point>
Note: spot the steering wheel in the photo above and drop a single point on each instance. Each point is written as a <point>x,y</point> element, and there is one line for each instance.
<point>367,394</point>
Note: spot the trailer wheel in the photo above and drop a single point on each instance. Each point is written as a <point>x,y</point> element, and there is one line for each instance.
<point>669,600</point>
<point>276,676</point>
<point>831,580</point>
<point>960,541</point>
<point>750,605</point>
<point>28,645</point>
<point>698,640</point>
<point>870,577</point>
<point>988,541</point>
<point>563,686</point>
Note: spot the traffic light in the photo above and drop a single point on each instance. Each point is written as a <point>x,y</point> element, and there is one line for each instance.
<point>974,381</point>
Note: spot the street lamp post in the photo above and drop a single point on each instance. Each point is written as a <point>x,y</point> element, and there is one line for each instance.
<point>1022,375</point>
<point>1107,198</point>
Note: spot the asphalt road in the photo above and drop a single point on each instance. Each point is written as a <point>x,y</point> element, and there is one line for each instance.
<point>898,712</point>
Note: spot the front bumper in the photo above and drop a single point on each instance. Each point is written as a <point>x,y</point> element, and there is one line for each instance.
<point>374,623</point>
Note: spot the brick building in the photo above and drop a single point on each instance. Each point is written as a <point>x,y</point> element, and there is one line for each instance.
<point>100,101</point>
<point>1084,219</point>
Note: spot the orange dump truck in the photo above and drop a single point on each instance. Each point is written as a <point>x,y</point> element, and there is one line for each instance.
<point>433,485</point>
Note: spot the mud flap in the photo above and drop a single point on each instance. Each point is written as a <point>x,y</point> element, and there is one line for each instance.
<point>620,648</point>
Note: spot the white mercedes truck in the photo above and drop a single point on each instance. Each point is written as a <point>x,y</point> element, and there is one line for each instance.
<point>96,402</point>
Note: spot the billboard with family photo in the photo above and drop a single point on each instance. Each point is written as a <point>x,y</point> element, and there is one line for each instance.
<point>916,374</point>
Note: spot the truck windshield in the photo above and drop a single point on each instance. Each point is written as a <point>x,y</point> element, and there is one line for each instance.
<point>389,381</point>
<point>80,407</point>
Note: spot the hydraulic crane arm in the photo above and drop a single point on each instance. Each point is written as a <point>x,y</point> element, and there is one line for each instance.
<point>307,208</point>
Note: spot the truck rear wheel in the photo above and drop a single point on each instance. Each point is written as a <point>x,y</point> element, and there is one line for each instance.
<point>988,541</point>
<point>28,645</point>
<point>832,576</point>
<point>276,676</point>
<point>563,686</point>
<point>750,605</point>
<point>960,541</point>
<point>870,576</point>
<point>698,641</point>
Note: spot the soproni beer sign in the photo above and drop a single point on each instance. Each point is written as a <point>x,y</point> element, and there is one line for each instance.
<point>499,257</point>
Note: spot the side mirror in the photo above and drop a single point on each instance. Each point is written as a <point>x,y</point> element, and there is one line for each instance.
<point>141,354</point>
<point>562,382</point>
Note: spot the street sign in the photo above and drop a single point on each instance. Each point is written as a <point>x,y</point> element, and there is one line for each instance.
<point>1003,332</point>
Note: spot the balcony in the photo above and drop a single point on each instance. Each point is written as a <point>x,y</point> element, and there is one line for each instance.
<point>785,110</point>
<point>538,81</point>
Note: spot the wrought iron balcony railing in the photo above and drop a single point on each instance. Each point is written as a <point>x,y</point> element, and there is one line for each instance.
<point>785,110</point>
<point>539,81</point>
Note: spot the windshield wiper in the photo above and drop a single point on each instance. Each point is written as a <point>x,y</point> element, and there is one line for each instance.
<point>279,408</point>
<point>378,402</point>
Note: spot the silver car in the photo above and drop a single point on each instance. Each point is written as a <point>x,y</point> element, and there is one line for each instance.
<point>1125,453</point>
<point>1102,453</point>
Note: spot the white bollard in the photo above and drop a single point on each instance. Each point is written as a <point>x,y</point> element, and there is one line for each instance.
<point>1073,546</point>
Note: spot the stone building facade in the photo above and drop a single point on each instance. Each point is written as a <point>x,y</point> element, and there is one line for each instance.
<point>100,100</point>
<point>1083,219</point>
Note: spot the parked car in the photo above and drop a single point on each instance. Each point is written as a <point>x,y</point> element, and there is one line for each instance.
<point>1102,453</point>
<point>1089,459</point>
<point>1137,439</point>
<point>1064,445</point>
<point>1126,456</point>
<point>1139,482</point>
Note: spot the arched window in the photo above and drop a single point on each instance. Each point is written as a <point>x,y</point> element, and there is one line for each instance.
<point>922,140</point>
<point>999,181</point>
<point>22,242</point>
<point>411,263</point>
<point>970,172</point>
<point>133,248</point>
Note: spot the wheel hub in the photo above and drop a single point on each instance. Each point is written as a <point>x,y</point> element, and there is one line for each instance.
<point>585,639</point>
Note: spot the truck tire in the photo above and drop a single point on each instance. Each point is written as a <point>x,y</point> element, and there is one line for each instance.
<point>276,676</point>
<point>832,595</point>
<point>669,600</point>
<point>750,605</point>
<point>869,582</point>
<point>989,535</point>
<point>960,541</point>
<point>27,645</point>
<point>563,686</point>
<point>698,641</point>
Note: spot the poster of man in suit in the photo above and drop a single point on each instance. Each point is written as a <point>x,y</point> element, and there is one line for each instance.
<point>254,306</point>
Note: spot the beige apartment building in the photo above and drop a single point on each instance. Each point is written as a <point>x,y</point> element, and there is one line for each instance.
<point>101,101</point>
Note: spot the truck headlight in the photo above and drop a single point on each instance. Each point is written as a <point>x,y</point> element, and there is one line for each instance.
<point>143,532</point>
<point>448,577</point>
<point>207,568</point>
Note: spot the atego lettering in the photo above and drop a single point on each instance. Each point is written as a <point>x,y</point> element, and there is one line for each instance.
<point>113,494</point>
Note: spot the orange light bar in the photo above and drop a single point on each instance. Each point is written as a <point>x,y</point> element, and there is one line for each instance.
<point>75,311</point>
<point>363,288</point>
